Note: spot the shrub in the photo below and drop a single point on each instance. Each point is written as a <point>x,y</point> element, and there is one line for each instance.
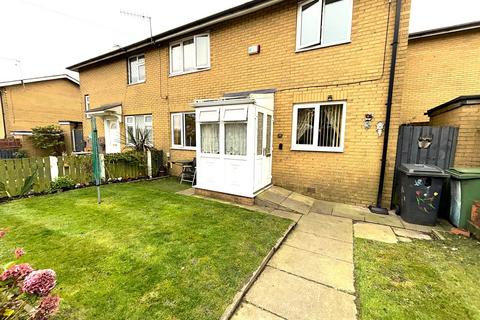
<point>25,292</point>
<point>49,138</point>
<point>20,154</point>
<point>62,183</point>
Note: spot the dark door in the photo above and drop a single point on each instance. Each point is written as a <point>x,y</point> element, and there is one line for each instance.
<point>77,136</point>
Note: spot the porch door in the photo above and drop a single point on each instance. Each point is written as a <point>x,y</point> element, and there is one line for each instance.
<point>112,136</point>
<point>264,148</point>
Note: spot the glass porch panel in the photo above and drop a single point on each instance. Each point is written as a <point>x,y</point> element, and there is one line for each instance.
<point>260,134</point>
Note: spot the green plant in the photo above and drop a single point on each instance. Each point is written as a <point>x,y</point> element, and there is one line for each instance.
<point>139,139</point>
<point>62,183</point>
<point>48,138</point>
<point>25,292</point>
<point>27,186</point>
<point>129,157</point>
<point>20,154</point>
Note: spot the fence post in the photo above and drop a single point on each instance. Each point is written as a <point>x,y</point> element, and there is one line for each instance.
<point>102,167</point>
<point>149,164</point>
<point>53,168</point>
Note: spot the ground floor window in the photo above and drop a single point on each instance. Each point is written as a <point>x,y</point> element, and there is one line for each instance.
<point>139,127</point>
<point>183,130</point>
<point>319,126</point>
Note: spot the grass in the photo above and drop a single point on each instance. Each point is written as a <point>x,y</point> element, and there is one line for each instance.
<point>145,253</point>
<point>419,280</point>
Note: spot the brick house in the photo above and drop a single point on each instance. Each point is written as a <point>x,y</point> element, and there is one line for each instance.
<point>29,103</point>
<point>444,61</point>
<point>325,66</point>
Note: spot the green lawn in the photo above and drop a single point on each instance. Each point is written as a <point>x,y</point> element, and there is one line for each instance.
<point>419,280</point>
<point>145,253</point>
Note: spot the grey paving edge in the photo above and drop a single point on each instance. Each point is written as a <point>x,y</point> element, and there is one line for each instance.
<point>237,300</point>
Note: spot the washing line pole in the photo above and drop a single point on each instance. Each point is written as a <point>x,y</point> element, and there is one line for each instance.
<point>96,158</point>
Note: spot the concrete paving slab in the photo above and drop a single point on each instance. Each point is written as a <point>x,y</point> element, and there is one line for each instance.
<point>319,268</point>
<point>286,214</point>
<point>246,311</point>
<point>327,226</point>
<point>328,247</point>
<point>295,298</point>
<point>301,198</point>
<point>281,191</point>
<point>387,220</point>
<point>295,205</point>
<point>272,196</point>
<point>411,234</point>
<point>322,207</point>
<point>374,232</point>
<point>402,239</point>
<point>349,211</point>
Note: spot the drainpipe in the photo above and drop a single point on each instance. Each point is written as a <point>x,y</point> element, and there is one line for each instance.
<point>378,209</point>
<point>3,114</point>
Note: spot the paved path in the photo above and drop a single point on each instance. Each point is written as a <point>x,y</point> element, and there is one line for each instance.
<point>310,277</point>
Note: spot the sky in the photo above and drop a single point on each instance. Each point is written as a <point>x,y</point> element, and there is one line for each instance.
<point>46,36</point>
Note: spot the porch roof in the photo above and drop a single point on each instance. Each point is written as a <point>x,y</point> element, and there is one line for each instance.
<point>105,108</point>
<point>454,104</point>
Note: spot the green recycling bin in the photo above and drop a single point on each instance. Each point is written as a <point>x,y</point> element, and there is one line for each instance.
<point>465,188</point>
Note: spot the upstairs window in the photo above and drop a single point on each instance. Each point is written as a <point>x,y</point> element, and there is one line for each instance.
<point>319,126</point>
<point>323,23</point>
<point>190,54</point>
<point>136,69</point>
<point>139,128</point>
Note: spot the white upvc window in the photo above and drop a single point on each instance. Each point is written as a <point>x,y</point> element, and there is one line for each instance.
<point>184,131</point>
<point>136,69</point>
<point>137,126</point>
<point>87,102</point>
<point>319,126</point>
<point>322,23</point>
<point>190,54</point>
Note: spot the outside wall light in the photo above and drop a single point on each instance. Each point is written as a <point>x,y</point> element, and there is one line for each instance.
<point>367,124</point>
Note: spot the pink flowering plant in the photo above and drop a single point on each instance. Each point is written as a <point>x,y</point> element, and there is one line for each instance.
<point>25,293</point>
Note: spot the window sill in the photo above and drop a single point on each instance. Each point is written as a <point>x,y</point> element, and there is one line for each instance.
<point>183,148</point>
<point>136,83</point>
<point>299,50</point>
<point>313,149</point>
<point>171,75</point>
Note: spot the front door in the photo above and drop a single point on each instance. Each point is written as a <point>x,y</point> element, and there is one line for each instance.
<point>112,136</point>
<point>264,148</point>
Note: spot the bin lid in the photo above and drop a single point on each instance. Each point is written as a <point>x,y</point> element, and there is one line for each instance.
<point>427,170</point>
<point>464,173</point>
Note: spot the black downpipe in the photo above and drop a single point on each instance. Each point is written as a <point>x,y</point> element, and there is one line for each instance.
<point>393,65</point>
<point>3,114</point>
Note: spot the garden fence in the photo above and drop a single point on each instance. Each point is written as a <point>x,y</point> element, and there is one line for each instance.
<point>13,172</point>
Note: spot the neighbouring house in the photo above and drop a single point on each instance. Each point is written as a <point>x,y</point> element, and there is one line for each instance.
<point>284,92</point>
<point>29,103</point>
<point>442,64</point>
<point>464,113</point>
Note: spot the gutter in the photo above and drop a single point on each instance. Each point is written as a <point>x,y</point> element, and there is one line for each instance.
<point>379,209</point>
<point>226,15</point>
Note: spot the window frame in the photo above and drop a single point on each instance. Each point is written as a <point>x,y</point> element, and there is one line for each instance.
<point>300,48</point>
<point>314,146</point>
<point>197,68</point>
<point>129,80</point>
<point>126,118</point>
<point>182,146</point>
